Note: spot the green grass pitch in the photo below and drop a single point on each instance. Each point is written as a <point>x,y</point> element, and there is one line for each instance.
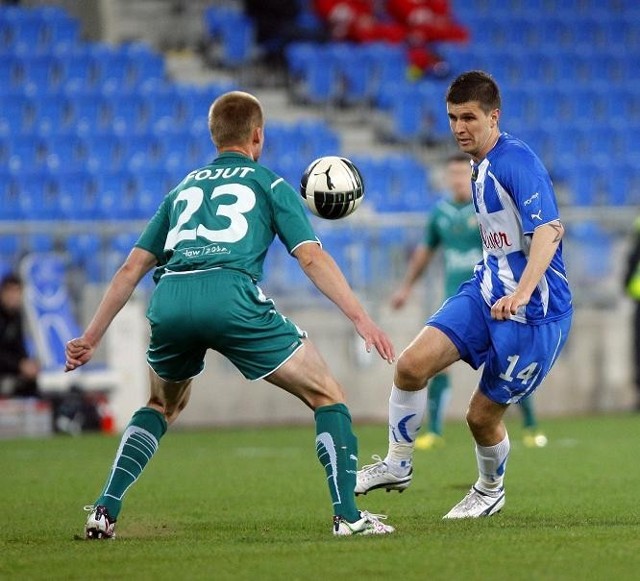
<point>252,504</point>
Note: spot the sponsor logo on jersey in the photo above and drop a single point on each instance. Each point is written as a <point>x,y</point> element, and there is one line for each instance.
<point>493,240</point>
<point>204,251</point>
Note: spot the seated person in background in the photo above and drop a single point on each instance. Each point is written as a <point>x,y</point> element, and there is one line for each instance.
<point>18,371</point>
<point>277,25</point>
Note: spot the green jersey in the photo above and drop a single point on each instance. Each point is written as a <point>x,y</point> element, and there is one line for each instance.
<point>453,227</point>
<point>225,215</point>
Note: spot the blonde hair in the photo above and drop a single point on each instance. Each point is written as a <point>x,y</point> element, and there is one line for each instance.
<point>233,117</point>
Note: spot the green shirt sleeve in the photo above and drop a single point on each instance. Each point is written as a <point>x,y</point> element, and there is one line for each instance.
<point>291,222</point>
<point>432,237</point>
<point>154,235</point>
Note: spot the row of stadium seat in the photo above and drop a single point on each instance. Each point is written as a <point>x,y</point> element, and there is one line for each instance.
<point>566,8</point>
<point>89,147</point>
<point>396,183</point>
<point>38,29</point>
<point>159,106</point>
<point>592,29</point>
<point>86,66</point>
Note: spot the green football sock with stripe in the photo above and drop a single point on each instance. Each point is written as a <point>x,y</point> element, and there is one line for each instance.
<point>138,445</point>
<point>438,395</point>
<point>337,450</point>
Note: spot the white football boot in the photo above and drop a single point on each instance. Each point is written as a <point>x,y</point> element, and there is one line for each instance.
<point>378,475</point>
<point>476,504</point>
<point>368,524</point>
<point>99,524</point>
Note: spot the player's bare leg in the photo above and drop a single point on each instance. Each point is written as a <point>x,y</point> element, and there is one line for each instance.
<point>427,355</point>
<point>307,376</point>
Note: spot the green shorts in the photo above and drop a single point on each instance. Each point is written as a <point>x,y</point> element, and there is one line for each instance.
<point>216,309</point>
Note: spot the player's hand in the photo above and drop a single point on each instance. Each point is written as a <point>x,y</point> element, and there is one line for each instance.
<point>77,352</point>
<point>507,306</point>
<point>399,298</point>
<point>375,337</point>
<point>29,368</point>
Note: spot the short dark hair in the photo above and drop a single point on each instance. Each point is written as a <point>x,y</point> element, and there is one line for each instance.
<point>458,157</point>
<point>475,86</point>
<point>10,279</point>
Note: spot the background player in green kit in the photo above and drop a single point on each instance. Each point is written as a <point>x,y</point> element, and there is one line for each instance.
<point>452,227</point>
<point>207,242</point>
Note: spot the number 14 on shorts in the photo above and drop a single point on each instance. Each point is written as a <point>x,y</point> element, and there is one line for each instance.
<point>528,374</point>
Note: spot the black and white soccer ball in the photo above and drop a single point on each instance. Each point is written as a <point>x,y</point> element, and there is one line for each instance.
<point>332,187</point>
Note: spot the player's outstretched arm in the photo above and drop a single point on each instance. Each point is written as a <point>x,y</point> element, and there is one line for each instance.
<point>320,267</point>
<point>419,261</point>
<point>80,350</point>
<point>544,244</point>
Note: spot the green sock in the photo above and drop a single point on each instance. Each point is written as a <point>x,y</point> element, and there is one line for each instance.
<point>137,446</point>
<point>437,398</point>
<point>529,420</point>
<point>337,450</point>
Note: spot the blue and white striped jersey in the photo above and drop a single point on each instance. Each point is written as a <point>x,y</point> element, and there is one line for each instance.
<point>513,195</point>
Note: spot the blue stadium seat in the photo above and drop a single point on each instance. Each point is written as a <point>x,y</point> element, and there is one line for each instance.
<point>15,114</point>
<point>40,242</point>
<point>410,117</point>
<point>315,72</point>
<point>409,190</point>
<point>10,247</point>
<point>27,31</point>
<point>40,73</point>
<point>25,152</point>
<point>78,70</point>
<point>125,112</point>
<point>113,68</point>
<point>114,195</point>
<point>76,194</point>
<point>585,184</point>
<point>9,206</point>
<point>50,114</point>
<point>144,63</point>
<point>141,151</point>
<point>65,151</point>
<point>621,184</point>
<point>164,109</point>
<point>37,196</point>
<point>87,110</point>
<point>105,151</point>
<point>85,251</point>
<point>356,67</point>
<point>9,72</point>
<point>63,33</point>
<point>234,31</point>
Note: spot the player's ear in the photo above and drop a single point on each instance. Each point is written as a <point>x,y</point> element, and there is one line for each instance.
<point>495,117</point>
<point>258,135</point>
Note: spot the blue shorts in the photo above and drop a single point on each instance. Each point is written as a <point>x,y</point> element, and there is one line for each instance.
<point>516,356</point>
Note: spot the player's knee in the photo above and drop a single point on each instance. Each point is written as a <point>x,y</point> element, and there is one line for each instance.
<point>480,423</point>
<point>410,372</point>
<point>327,392</point>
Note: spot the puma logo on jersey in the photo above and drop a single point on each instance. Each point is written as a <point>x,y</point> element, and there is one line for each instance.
<point>537,216</point>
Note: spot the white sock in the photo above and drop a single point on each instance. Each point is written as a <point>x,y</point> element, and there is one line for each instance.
<point>407,410</point>
<point>492,463</point>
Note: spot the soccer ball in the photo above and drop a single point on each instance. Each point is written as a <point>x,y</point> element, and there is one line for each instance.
<point>332,187</point>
